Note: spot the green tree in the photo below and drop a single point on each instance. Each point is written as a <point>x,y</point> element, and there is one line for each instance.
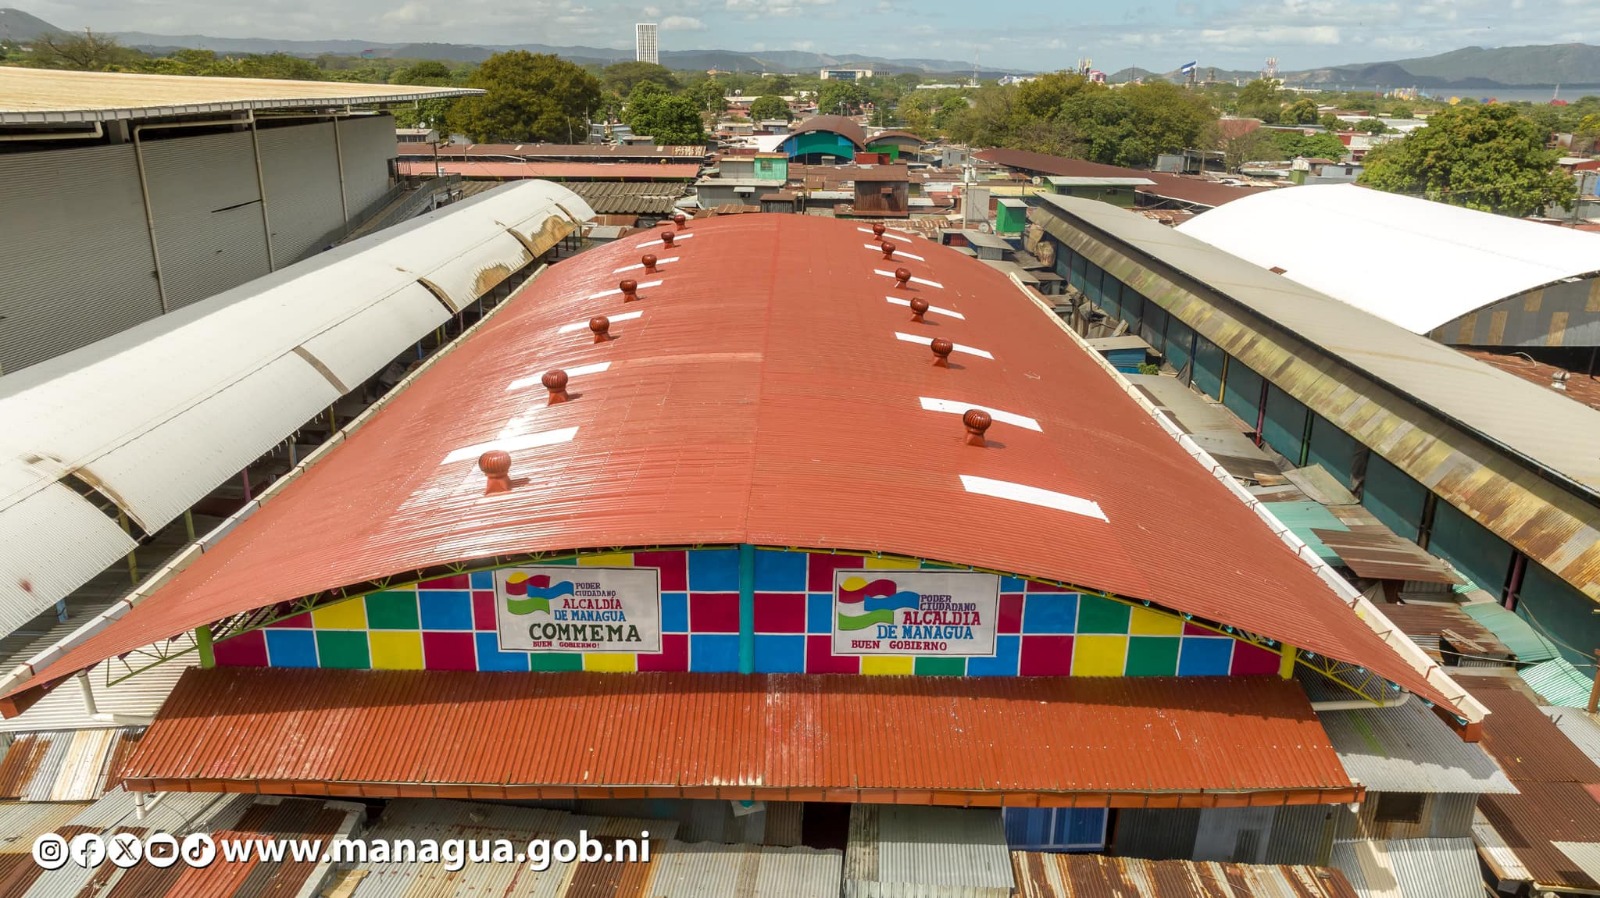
<point>530,97</point>
<point>1402,112</point>
<point>621,77</point>
<point>709,95</point>
<point>275,65</point>
<point>1481,157</point>
<point>1312,146</point>
<point>778,84</point>
<point>840,98</point>
<point>1238,148</point>
<point>1331,122</point>
<point>1261,98</point>
<point>770,107</point>
<point>1372,126</point>
<point>86,52</point>
<point>672,119</point>
<point>425,113</point>
<point>1300,112</point>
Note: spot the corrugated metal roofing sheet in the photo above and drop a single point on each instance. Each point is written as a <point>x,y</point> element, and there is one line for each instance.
<point>1469,432</point>
<point>63,766</point>
<point>1585,854</point>
<point>1409,749</point>
<point>628,197</point>
<point>719,422</point>
<point>157,416</point>
<point>132,700</point>
<point>1515,633</point>
<point>1423,264</point>
<point>1410,868</point>
<point>649,171</point>
<point>1581,728</point>
<point>900,852</point>
<point>731,736</point>
<point>1527,744</point>
<point>1559,683</point>
<point>1197,191</point>
<point>693,870</point>
<point>534,151</point>
<point>1421,620</point>
<point>1097,876</point>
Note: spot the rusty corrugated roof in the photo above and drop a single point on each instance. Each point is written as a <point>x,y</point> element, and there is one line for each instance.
<point>552,151</point>
<point>653,171</point>
<point>1185,189</point>
<point>1096,876</point>
<point>773,737</point>
<point>770,394</point>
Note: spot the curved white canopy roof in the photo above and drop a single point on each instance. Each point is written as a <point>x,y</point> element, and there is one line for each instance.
<point>157,416</point>
<point>1416,263</point>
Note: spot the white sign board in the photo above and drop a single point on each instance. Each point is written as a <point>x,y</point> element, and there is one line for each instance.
<point>930,613</point>
<point>561,608</point>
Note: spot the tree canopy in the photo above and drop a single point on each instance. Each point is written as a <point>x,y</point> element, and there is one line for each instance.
<point>672,119</point>
<point>1312,146</point>
<point>530,97</point>
<point>840,98</point>
<point>770,107</point>
<point>623,76</point>
<point>1482,157</point>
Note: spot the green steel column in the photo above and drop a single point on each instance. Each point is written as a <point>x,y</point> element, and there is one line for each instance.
<point>202,641</point>
<point>747,608</point>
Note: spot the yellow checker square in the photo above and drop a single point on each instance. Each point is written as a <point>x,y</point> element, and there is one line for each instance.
<point>890,564</point>
<point>615,559</point>
<point>396,650</point>
<point>1099,656</point>
<point>1149,622</point>
<point>888,666</point>
<point>350,614</point>
<point>611,662</point>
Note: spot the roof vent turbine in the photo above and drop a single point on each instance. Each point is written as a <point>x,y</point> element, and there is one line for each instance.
<point>681,220</point>
<point>888,249</point>
<point>902,277</point>
<point>556,382</point>
<point>919,307</point>
<point>977,421</point>
<point>648,260</point>
<point>941,352</point>
<point>630,290</point>
<point>496,465</point>
<point>601,325</point>
<point>667,238</point>
<point>878,229</point>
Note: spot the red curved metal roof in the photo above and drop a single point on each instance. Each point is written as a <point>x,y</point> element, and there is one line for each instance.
<point>837,124</point>
<point>769,392</point>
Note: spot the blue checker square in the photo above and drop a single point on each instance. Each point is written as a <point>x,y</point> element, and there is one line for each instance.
<point>483,580</point>
<point>1012,584</point>
<point>674,612</point>
<point>819,613</point>
<point>780,571</point>
<point>491,658</point>
<point>291,648</point>
<point>714,570</point>
<point>1007,651</point>
<point>714,653</point>
<point>1050,612</point>
<point>781,654</point>
<point>1202,656</point>
<point>445,609</point>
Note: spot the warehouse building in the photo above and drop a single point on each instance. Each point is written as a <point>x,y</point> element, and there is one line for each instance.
<point>1496,475</point>
<point>1460,276</point>
<point>785,524</point>
<point>132,196</point>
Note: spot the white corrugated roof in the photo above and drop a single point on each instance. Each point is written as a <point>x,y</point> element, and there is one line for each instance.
<point>1409,749</point>
<point>1416,263</point>
<point>157,416</point>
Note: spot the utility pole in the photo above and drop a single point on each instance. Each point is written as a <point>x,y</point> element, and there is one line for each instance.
<point>1594,691</point>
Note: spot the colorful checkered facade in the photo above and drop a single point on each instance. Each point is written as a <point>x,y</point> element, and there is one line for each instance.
<point>1043,630</point>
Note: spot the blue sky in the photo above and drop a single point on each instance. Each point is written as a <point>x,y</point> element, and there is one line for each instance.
<point>1025,35</point>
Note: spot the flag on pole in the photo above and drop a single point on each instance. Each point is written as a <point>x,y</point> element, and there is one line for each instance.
<point>1188,68</point>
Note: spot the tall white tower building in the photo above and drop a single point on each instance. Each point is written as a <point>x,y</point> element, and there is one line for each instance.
<point>644,44</point>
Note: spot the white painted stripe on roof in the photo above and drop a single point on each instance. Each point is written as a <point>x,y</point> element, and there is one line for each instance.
<point>890,234</point>
<point>676,235</point>
<point>584,324</point>
<point>915,280</point>
<point>618,291</point>
<point>1032,495</point>
<point>933,309</point>
<point>579,371</point>
<point>638,265</point>
<point>514,444</point>
<point>898,253</point>
<point>916,338</point>
<point>951,406</point>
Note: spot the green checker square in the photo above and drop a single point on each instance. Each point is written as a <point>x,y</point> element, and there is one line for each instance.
<point>940,667</point>
<point>395,610</point>
<point>343,649</point>
<point>547,662</point>
<point>1153,656</point>
<point>1097,615</point>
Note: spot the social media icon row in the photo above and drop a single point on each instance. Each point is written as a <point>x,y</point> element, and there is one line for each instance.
<point>90,850</point>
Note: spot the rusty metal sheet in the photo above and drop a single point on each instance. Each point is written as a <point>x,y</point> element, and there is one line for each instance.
<point>730,735</point>
<point>1384,556</point>
<point>1042,875</point>
<point>721,420</point>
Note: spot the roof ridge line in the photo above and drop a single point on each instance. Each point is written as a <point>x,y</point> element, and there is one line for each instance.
<point>1363,608</point>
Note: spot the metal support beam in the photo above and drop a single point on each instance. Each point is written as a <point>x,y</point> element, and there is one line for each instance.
<point>747,608</point>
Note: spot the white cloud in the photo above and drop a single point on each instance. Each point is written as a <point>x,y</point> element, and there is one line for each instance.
<point>682,23</point>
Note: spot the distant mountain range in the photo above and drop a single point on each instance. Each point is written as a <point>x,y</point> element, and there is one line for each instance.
<point>1471,68</point>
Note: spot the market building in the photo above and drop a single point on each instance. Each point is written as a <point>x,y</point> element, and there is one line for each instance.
<point>839,526</point>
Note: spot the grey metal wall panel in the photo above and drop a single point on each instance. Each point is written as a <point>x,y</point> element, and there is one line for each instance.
<point>74,251</point>
<point>366,144</point>
<point>207,204</point>
<point>1302,834</point>
<point>1156,834</point>
<point>300,166</point>
<point>1452,816</point>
